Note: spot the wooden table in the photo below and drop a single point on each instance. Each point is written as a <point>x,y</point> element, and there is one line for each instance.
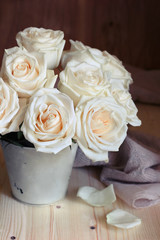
<point>71,218</point>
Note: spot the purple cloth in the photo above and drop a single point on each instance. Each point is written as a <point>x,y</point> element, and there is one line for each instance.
<point>135,169</point>
<point>146,86</point>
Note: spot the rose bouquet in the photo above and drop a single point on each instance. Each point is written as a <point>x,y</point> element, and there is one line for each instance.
<point>91,104</point>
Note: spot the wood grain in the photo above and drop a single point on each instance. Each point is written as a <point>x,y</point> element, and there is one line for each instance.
<point>129,29</point>
<point>150,117</point>
<point>71,218</point>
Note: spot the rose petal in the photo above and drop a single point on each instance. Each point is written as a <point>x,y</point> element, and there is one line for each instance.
<point>51,79</point>
<point>124,98</point>
<point>122,219</point>
<point>9,107</point>
<point>99,198</point>
<point>18,119</point>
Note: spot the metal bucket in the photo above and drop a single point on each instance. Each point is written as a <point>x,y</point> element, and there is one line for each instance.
<point>36,177</point>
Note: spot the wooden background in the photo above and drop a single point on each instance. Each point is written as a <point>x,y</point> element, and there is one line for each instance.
<point>129,29</point>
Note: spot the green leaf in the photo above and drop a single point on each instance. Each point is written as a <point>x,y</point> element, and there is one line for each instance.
<point>16,138</point>
<point>20,135</point>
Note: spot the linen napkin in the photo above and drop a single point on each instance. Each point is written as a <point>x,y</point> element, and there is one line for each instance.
<point>134,170</point>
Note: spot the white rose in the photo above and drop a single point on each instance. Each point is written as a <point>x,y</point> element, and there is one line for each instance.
<point>101,126</point>
<point>9,107</point>
<point>26,72</point>
<point>43,40</point>
<point>82,78</point>
<point>124,99</point>
<point>110,65</point>
<point>49,121</point>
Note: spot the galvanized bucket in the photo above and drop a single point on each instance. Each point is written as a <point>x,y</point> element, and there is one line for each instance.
<point>36,177</point>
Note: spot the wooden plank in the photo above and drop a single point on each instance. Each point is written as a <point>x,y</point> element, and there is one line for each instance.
<point>128,29</point>
<point>70,218</point>
<point>150,117</point>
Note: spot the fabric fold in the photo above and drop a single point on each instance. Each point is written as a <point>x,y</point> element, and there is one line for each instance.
<point>134,170</point>
<point>138,195</point>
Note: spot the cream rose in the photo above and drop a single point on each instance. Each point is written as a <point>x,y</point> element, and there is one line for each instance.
<point>43,40</point>
<point>101,126</point>
<point>9,107</point>
<point>82,78</point>
<point>49,122</point>
<point>110,65</point>
<point>124,99</point>
<point>26,72</point>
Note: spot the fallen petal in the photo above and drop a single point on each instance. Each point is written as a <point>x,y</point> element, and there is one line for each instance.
<point>96,197</point>
<point>122,219</point>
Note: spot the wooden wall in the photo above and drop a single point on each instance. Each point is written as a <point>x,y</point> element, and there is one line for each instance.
<point>129,29</point>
